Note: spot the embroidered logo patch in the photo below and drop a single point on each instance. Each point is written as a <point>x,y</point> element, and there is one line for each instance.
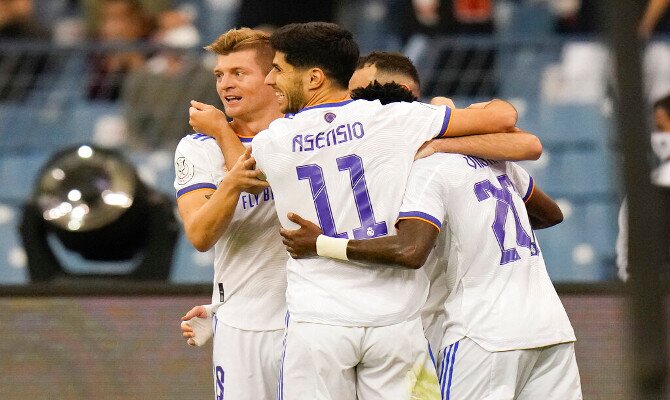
<point>329,117</point>
<point>184,170</point>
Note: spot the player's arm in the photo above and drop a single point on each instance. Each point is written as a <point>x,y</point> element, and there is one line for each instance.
<point>490,117</point>
<point>206,213</point>
<point>409,248</point>
<point>543,211</point>
<point>211,121</point>
<point>652,14</point>
<point>516,146</point>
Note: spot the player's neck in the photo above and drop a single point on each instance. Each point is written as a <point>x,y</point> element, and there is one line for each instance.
<point>251,126</point>
<point>329,95</point>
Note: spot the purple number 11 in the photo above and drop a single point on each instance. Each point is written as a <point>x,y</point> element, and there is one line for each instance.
<point>369,228</point>
<point>503,196</point>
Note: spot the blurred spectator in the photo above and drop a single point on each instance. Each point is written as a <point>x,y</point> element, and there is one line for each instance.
<point>123,22</point>
<point>461,71</point>
<point>655,18</point>
<point>156,97</point>
<point>660,176</point>
<point>374,23</point>
<point>575,16</point>
<point>275,13</point>
<point>217,16</point>
<point>19,68</point>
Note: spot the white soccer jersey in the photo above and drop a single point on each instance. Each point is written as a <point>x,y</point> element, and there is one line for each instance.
<point>344,166</point>
<point>500,294</point>
<point>250,259</point>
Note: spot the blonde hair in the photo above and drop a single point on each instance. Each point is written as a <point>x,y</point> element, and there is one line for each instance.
<point>244,39</point>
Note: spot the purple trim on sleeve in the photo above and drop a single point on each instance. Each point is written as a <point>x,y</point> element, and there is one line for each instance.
<point>531,184</point>
<point>197,186</point>
<point>445,123</point>
<point>245,139</point>
<point>421,215</point>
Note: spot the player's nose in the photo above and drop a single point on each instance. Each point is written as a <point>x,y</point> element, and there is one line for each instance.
<point>270,78</point>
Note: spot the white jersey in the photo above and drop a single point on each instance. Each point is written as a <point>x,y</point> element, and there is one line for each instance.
<point>500,294</point>
<point>250,259</point>
<point>344,166</point>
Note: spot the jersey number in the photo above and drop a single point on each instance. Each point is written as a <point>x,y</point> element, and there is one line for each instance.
<point>503,196</point>
<point>369,228</point>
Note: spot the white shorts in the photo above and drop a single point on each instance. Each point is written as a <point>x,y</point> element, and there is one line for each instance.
<point>468,372</point>
<point>245,363</point>
<point>365,363</point>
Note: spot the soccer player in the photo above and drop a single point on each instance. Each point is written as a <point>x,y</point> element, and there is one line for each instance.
<point>352,332</point>
<point>385,67</point>
<point>388,67</point>
<point>217,210</point>
<point>507,334</point>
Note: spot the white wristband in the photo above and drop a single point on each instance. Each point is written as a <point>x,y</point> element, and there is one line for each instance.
<point>202,330</point>
<point>327,246</point>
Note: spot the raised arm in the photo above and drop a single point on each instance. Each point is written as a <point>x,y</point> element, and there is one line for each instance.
<point>408,249</point>
<point>206,213</point>
<point>543,211</point>
<point>516,146</point>
<point>211,121</point>
<point>490,117</point>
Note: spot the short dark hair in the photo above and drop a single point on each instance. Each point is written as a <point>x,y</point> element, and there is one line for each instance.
<point>390,62</point>
<point>663,103</point>
<point>386,93</point>
<point>318,44</point>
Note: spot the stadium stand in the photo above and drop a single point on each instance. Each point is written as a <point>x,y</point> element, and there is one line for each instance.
<point>577,167</point>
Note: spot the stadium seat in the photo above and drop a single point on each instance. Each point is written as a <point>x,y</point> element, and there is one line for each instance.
<point>12,256</point>
<point>86,115</point>
<point>574,251</point>
<point>18,174</point>
<point>191,266</point>
<point>573,125</point>
<point>585,173</point>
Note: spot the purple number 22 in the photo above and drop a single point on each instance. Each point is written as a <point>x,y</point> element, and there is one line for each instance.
<point>369,228</point>
<point>503,196</point>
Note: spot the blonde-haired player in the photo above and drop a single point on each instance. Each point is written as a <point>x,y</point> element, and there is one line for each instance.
<point>248,300</point>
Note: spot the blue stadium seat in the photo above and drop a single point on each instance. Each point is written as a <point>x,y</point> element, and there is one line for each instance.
<point>18,174</point>
<point>12,256</point>
<point>527,18</point>
<point>27,128</point>
<point>578,173</point>
<point>580,249</point>
<point>574,125</point>
<point>85,116</point>
<point>191,266</point>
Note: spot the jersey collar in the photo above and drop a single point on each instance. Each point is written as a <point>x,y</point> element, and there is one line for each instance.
<point>322,105</point>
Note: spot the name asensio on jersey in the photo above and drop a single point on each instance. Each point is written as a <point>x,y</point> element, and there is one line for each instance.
<point>340,134</point>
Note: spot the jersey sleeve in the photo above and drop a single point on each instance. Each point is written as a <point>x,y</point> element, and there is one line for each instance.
<point>522,181</point>
<point>192,163</point>
<point>259,146</point>
<point>422,122</point>
<point>425,194</point>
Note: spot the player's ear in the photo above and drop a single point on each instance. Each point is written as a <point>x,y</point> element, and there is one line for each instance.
<point>316,78</point>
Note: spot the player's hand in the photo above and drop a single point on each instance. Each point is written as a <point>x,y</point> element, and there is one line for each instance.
<point>187,328</point>
<point>244,176</point>
<point>425,150</point>
<point>300,243</point>
<point>207,119</point>
<point>442,101</point>
<point>480,105</point>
